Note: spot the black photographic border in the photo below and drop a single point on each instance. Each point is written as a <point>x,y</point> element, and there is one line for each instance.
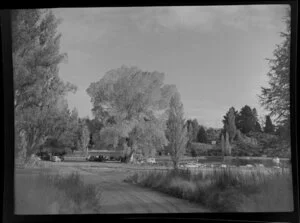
<point>8,127</point>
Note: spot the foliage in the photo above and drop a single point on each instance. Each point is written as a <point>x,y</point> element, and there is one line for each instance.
<point>94,127</point>
<point>227,145</point>
<point>212,134</point>
<point>223,144</point>
<point>200,149</point>
<point>247,119</point>
<point>257,127</point>
<point>176,130</point>
<point>265,140</point>
<point>269,127</point>
<point>201,136</point>
<point>229,123</point>
<point>85,138</point>
<point>276,97</point>
<point>69,137</point>
<point>192,129</point>
<point>241,148</point>
<point>39,105</point>
<point>283,131</point>
<point>129,101</point>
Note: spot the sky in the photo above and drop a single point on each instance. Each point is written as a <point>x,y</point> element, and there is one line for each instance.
<point>215,55</point>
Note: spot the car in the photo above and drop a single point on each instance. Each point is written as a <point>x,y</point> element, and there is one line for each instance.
<point>151,160</point>
<point>55,159</point>
<point>91,158</point>
<point>276,161</point>
<point>45,156</point>
<point>99,158</point>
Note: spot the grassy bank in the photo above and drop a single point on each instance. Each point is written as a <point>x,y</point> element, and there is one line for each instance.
<point>223,190</point>
<point>48,193</point>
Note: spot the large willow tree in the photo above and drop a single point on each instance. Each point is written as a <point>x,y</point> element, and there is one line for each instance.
<point>131,104</point>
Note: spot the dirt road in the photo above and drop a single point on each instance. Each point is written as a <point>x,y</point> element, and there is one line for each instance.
<point>121,197</point>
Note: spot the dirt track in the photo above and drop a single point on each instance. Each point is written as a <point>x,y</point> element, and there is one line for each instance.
<point>121,197</point>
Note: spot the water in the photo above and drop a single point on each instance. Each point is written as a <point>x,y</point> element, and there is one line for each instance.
<point>267,162</point>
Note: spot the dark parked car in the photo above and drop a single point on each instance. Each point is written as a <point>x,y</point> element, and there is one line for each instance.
<point>91,158</point>
<point>44,155</point>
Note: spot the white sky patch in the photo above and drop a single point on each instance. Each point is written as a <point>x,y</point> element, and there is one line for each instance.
<point>74,67</point>
<point>80,97</point>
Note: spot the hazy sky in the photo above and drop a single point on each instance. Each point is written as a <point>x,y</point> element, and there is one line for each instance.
<point>215,55</point>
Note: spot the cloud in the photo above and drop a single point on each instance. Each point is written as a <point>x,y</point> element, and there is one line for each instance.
<point>93,23</point>
<point>79,27</point>
<point>256,17</point>
<point>208,18</point>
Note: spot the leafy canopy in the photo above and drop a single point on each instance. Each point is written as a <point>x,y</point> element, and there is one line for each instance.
<point>276,97</point>
<point>132,104</point>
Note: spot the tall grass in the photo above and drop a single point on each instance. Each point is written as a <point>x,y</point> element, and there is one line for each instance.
<point>223,190</point>
<point>55,194</point>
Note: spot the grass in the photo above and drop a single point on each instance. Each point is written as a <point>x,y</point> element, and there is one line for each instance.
<point>55,194</point>
<point>223,190</point>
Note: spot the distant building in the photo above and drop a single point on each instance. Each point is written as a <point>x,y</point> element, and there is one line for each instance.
<point>213,142</point>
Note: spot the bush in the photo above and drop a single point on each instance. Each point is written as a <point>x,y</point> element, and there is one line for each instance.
<point>268,144</point>
<point>264,139</point>
<point>214,152</point>
<point>202,149</point>
<point>243,149</point>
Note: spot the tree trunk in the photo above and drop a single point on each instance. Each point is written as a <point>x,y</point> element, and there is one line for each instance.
<point>175,165</point>
<point>127,157</point>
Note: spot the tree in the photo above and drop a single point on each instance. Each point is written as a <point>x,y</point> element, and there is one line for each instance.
<point>276,97</point>
<point>229,123</point>
<point>227,145</point>
<point>192,129</point>
<point>269,127</point>
<point>176,131</point>
<point>223,144</point>
<point>40,111</point>
<point>247,119</point>
<point>202,137</point>
<point>212,134</point>
<point>94,127</point>
<point>69,137</point>
<point>85,138</point>
<point>124,99</point>
<point>257,127</point>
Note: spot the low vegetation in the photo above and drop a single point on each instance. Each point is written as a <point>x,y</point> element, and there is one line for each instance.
<point>223,190</point>
<point>47,193</point>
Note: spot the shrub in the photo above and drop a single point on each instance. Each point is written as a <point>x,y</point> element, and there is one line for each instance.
<point>215,152</point>
<point>264,139</point>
